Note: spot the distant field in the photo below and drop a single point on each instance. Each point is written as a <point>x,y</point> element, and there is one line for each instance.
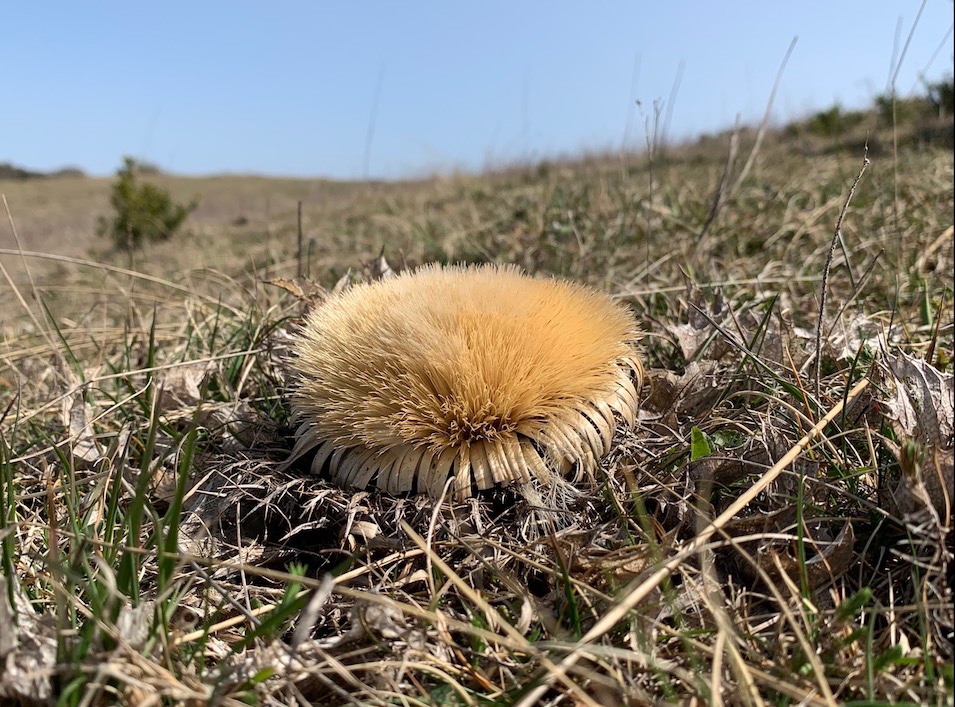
<point>58,215</point>
<point>151,549</point>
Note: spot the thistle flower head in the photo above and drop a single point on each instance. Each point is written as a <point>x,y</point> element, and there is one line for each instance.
<point>482,374</point>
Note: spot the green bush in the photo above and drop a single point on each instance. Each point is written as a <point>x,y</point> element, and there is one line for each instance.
<point>895,110</point>
<point>942,96</point>
<point>833,122</point>
<point>142,212</point>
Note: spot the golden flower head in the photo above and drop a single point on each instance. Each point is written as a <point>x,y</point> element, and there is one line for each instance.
<point>480,374</point>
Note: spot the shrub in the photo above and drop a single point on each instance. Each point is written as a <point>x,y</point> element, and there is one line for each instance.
<point>141,211</point>
<point>895,110</point>
<point>11,171</point>
<point>942,96</point>
<point>833,122</point>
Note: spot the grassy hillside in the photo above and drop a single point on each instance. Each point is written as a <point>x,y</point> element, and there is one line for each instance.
<point>776,529</point>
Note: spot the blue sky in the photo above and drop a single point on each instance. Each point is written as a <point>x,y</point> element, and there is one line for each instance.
<point>289,87</point>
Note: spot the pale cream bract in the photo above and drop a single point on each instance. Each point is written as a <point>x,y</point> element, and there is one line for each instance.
<point>482,374</point>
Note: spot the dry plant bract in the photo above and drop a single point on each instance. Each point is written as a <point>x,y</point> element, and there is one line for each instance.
<point>482,374</point>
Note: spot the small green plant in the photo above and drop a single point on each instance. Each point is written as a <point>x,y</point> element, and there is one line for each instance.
<point>141,211</point>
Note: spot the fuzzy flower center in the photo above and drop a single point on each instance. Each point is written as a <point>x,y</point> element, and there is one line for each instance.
<point>463,424</point>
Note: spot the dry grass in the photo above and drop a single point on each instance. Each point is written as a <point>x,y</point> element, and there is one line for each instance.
<point>750,541</point>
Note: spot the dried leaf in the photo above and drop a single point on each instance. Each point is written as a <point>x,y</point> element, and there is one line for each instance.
<point>181,385</point>
<point>831,561</point>
<point>698,330</point>
<point>922,403</point>
<point>367,529</point>
<point>378,269</point>
<point>8,628</point>
<point>772,522</point>
<point>771,336</point>
<point>133,623</point>
<point>622,564</point>
<point>691,394</point>
<point>307,291</point>
<point>344,282</point>
<point>919,406</point>
<point>27,649</point>
<point>728,467</point>
<point>846,338</point>
<point>79,416</point>
<point>382,621</point>
<point>242,427</point>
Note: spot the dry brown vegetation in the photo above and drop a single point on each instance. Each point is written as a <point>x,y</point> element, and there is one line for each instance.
<point>760,537</point>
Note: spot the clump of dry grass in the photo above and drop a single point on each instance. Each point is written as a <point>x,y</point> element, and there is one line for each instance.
<point>483,375</point>
<point>746,541</point>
